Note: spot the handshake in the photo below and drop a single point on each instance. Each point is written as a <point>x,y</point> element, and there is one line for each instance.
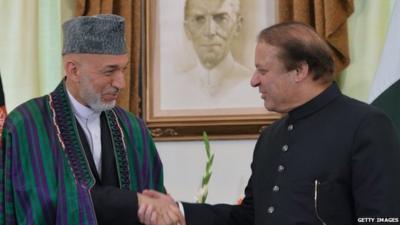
<point>156,208</point>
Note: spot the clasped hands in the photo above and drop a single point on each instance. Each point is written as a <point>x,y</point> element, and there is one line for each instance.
<point>156,208</point>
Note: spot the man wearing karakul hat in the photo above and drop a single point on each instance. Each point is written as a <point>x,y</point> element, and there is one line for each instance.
<point>72,156</point>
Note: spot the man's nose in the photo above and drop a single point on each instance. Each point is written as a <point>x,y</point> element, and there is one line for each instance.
<point>211,27</point>
<point>119,80</point>
<point>255,80</point>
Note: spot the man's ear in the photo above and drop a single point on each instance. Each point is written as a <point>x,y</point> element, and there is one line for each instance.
<point>71,69</point>
<point>302,71</point>
<point>238,26</point>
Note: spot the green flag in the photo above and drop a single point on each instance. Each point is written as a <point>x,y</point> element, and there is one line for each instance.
<point>385,91</point>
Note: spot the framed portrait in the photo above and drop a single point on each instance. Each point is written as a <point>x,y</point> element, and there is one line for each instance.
<point>199,59</point>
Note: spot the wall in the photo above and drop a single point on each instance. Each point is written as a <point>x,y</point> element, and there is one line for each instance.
<point>184,164</point>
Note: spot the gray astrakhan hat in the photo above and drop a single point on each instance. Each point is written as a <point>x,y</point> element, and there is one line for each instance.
<point>99,34</point>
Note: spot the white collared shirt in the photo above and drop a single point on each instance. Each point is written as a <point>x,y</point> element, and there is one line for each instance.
<point>90,123</point>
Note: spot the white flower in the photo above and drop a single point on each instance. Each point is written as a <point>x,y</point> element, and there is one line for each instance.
<point>203,191</point>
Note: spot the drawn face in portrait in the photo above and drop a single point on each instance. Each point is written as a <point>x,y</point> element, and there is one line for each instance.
<point>211,25</point>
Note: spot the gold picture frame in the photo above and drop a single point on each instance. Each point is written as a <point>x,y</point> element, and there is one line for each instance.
<point>174,107</point>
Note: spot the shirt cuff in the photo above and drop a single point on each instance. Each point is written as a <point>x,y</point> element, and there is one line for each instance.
<point>180,205</point>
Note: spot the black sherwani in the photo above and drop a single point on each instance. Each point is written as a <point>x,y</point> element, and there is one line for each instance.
<point>331,160</point>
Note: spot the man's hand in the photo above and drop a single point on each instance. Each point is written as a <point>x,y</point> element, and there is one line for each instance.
<point>158,209</point>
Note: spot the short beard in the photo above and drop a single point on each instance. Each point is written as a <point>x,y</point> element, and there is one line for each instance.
<point>93,99</point>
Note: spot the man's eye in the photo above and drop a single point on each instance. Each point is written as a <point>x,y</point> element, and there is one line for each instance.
<point>108,72</point>
<point>200,19</point>
<point>221,18</point>
<point>262,72</point>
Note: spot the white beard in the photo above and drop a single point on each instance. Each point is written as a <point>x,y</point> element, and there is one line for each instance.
<point>92,98</point>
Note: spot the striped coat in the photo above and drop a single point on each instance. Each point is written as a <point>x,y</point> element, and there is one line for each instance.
<point>45,177</point>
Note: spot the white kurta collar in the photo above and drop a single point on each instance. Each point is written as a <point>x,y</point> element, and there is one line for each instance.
<point>81,110</point>
<point>90,123</point>
<point>211,79</point>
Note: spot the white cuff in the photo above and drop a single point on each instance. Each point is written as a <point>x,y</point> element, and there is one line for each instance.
<point>180,205</point>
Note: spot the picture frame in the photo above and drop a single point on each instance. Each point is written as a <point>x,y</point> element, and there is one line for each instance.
<point>179,102</point>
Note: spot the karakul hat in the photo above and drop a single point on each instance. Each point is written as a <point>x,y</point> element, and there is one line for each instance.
<point>99,34</point>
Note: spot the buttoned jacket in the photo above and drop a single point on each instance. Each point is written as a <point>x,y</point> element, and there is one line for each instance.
<point>332,160</point>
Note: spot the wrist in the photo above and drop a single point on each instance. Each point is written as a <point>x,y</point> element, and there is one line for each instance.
<point>140,199</point>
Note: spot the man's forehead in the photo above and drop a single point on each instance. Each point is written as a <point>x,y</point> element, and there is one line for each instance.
<point>266,52</point>
<point>211,6</point>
